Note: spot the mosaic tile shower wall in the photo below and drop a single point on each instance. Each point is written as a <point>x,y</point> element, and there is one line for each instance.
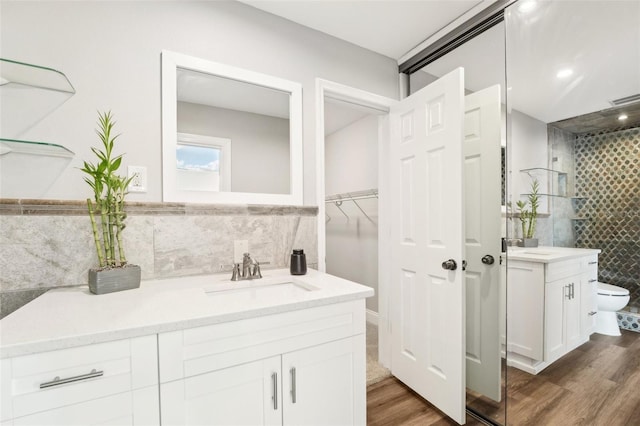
<point>608,174</point>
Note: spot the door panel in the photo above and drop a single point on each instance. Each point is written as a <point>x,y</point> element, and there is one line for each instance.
<point>427,301</point>
<point>482,238</point>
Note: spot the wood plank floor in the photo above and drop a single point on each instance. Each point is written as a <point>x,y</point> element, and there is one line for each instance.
<point>391,403</point>
<point>596,384</point>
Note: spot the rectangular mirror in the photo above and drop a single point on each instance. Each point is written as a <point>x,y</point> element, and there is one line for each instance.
<point>229,135</point>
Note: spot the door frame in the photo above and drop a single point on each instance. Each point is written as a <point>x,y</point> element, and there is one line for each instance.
<point>326,89</point>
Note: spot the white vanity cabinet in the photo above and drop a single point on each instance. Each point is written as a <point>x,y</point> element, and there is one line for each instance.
<point>551,307</point>
<point>183,351</point>
<point>301,367</point>
<point>107,383</point>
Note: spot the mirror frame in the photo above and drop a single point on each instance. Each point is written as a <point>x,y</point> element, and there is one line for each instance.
<point>171,61</point>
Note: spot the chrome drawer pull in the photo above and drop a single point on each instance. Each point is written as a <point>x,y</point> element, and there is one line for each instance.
<point>58,381</point>
<point>592,281</point>
<point>593,263</point>
<point>592,313</point>
<point>293,385</point>
<point>274,380</point>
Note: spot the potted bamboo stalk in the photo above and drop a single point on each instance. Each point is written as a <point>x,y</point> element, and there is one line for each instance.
<point>107,215</point>
<point>529,215</point>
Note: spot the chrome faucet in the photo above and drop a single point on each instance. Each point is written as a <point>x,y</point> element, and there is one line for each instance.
<point>250,269</point>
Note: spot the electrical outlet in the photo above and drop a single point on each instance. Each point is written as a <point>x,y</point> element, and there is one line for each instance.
<point>240,247</point>
<point>139,178</point>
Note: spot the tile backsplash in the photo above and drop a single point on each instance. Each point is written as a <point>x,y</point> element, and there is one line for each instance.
<point>48,244</point>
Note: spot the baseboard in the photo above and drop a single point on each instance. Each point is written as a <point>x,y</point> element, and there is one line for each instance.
<point>372,317</point>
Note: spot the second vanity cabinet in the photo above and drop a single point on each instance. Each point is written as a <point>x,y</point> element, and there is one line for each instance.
<point>305,367</point>
<point>551,307</point>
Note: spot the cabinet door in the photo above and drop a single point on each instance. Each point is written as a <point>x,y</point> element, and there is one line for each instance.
<point>562,317</point>
<point>556,293</point>
<point>525,308</point>
<point>325,384</point>
<point>572,315</point>
<point>247,394</point>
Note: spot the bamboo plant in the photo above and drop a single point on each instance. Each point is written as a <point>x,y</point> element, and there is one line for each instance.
<point>529,211</point>
<point>106,210</point>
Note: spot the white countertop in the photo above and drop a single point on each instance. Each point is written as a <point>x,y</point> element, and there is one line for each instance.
<point>70,317</point>
<point>544,254</point>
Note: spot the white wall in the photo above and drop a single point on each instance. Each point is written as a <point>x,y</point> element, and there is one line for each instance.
<point>259,145</point>
<point>528,148</point>
<point>351,164</point>
<point>110,51</point>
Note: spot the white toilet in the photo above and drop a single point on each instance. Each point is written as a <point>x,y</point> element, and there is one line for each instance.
<point>611,299</point>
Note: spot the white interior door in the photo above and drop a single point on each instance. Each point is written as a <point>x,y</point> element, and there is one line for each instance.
<point>427,301</point>
<point>482,239</point>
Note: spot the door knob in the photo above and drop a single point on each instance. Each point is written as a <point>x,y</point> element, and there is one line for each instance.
<point>450,265</point>
<point>488,259</point>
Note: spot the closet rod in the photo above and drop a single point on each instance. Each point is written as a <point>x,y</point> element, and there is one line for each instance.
<point>356,195</point>
<point>338,199</point>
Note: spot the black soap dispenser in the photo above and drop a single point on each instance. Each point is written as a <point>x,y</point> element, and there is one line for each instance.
<point>298,262</point>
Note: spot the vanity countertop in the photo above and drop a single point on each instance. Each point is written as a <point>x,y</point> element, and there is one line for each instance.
<point>544,254</point>
<point>68,317</point>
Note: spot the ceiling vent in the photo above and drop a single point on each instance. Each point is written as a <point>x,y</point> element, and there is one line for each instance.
<point>626,100</point>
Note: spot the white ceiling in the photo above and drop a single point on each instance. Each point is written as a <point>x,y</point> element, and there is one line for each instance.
<point>388,27</point>
<point>208,89</point>
<point>598,40</point>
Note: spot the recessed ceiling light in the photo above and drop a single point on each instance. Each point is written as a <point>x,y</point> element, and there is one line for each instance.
<point>623,117</point>
<point>564,73</point>
<point>527,6</point>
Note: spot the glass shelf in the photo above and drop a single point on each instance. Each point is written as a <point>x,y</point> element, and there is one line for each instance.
<point>28,169</point>
<point>29,93</point>
<point>542,169</point>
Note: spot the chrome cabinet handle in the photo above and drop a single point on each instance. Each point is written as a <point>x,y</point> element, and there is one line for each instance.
<point>593,263</point>
<point>450,265</point>
<point>592,313</point>
<point>293,384</point>
<point>57,381</point>
<point>274,381</point>
<point>573,290</point>
<point>593,280</point>
<point>568,292</point>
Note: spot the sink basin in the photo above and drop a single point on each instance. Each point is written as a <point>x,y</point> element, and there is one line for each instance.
<point>244,291</point>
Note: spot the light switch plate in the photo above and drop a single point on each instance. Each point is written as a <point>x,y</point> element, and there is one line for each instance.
<point>240,247</point>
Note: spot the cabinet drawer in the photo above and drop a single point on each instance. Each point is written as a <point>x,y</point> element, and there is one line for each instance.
<point>48,380</point>
<point>590,266</point>
<point>199,350</point>
<point>139,407</point>
<point>566,268</point>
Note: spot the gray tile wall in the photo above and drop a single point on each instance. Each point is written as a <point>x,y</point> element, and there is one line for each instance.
<point>608,174</point>
<point>48,244</point>
<point>561,144</point>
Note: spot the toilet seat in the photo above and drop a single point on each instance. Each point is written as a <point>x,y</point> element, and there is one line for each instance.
<point>605,289</point>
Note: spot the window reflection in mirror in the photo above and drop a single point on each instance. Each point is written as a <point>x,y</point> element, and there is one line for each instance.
<point>229,135</point>
<point>203,163</point>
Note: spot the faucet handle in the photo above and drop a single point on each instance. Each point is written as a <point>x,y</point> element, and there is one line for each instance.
<point>235,275</point>
<point>256,271</point>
